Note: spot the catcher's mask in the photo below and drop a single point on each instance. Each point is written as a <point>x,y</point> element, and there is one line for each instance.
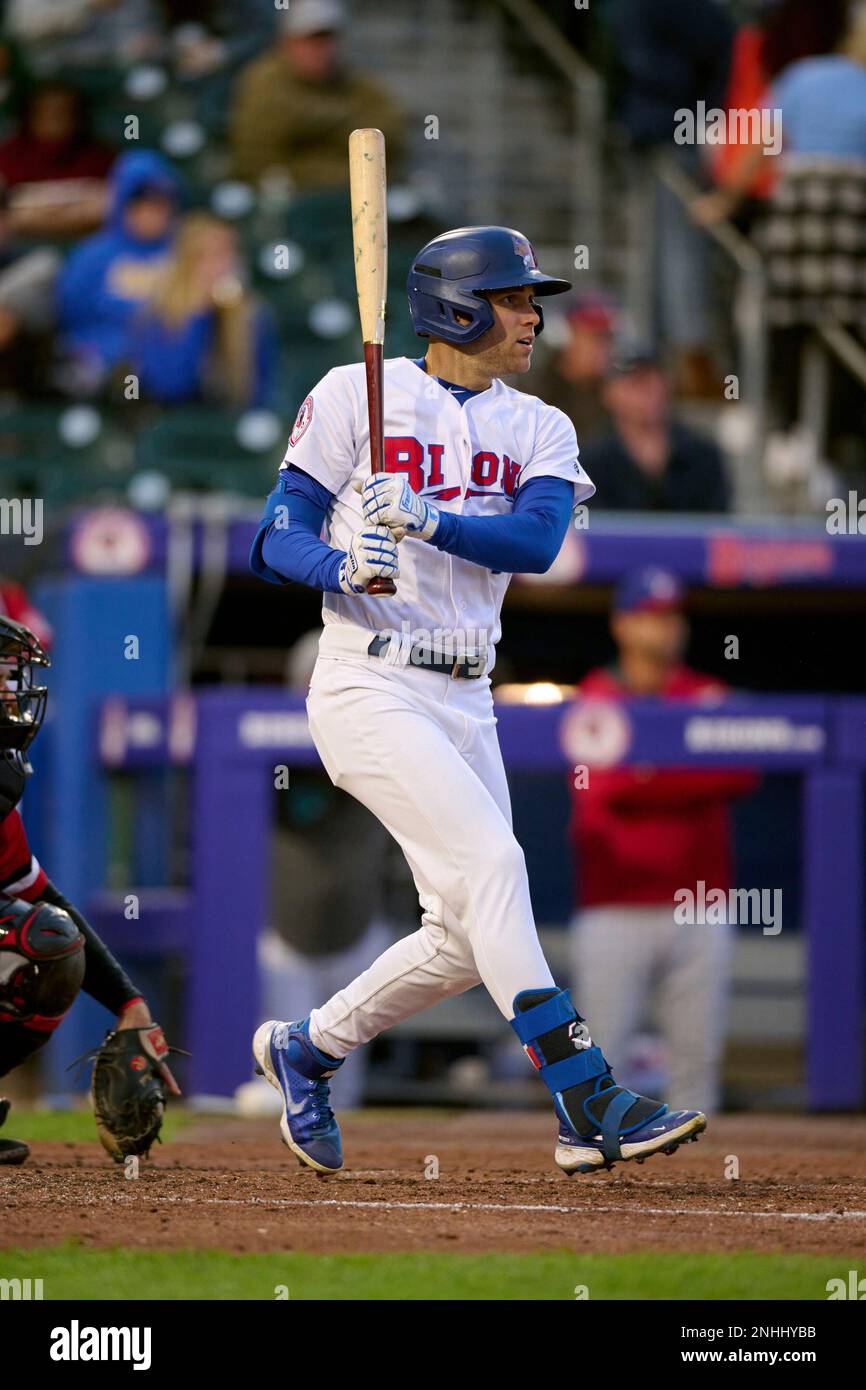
<point>41,963</point>
<point>22,707</point>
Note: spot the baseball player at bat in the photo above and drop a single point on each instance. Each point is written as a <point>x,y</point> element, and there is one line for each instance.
<point>480,482</point>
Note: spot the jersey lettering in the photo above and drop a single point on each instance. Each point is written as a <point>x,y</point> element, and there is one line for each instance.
<point>485,469</point>
<point>435,478</point>
<point>471,459</point>
<point>406,454</point>
<point>510,475</point>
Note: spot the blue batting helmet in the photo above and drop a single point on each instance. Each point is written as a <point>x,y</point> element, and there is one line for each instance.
<point>450,273</point>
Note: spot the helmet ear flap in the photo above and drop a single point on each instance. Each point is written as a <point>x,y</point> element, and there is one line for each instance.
<point>477,312</point>
<point>435,314</point>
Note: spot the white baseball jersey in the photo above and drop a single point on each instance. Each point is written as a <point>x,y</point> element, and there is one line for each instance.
<point>468,458</point>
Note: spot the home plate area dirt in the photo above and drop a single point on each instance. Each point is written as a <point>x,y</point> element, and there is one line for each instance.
<point>231,1184</point>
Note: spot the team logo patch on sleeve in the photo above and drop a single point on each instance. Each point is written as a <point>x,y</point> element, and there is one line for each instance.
<point>302,422</point>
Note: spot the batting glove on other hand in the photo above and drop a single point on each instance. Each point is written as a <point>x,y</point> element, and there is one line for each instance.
<point>388,500</point>
<point>371,554</point>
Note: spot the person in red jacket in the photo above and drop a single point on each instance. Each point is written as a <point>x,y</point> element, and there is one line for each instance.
<point>640,834</point>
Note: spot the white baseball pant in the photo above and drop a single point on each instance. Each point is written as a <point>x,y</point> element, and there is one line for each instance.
<point>420,751</point>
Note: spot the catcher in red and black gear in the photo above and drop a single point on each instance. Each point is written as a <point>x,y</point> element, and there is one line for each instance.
<point>48,951</point>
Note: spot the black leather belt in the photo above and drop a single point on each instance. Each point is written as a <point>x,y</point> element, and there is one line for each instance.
<point>465,668</point>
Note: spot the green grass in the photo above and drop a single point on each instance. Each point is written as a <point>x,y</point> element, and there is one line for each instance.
<point>70,1271</point>
<point>73,1126</point>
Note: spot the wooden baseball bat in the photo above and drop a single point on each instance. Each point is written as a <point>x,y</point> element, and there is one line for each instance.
<point>370,240</point>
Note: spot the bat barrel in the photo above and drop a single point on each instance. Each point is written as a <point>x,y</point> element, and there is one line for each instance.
<point>370,240</point>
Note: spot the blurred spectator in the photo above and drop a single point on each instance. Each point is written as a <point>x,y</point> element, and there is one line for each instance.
<point>59,34</point>
<point>27,284</point>
<point>112,273</point>
<point>823,104</point>
<point>210,36</point>
<point>54,166</point>
<point>814,236</point>
<point>640,835</point>
<point>296,106</point>
<point>202,337</point>
<point>747,88</point>
<point>673,54</point>
<point>14,603</point>
<point>649,461</point>
<point>210,41</point>
<point>813,233</point>
<point>774,34</point>
<point>573,380</point>
<point>795,29</point>
<point>326,924</point>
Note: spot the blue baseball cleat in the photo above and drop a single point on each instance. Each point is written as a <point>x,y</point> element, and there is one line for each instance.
<point>600,1123</point>
<point>299,1071</point>
<point>580,1153</point>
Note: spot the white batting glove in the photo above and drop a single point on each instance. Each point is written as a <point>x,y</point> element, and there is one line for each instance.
<point>388,500</point>
<point>371,554</point>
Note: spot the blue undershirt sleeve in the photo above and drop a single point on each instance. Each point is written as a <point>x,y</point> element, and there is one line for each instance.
<point>525,541</point>
<point>288,547</point>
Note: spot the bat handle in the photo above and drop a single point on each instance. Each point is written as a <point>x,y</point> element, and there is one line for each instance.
<point>373,361</point>
<point>380,586</point>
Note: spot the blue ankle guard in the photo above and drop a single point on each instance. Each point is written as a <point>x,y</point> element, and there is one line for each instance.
<point>587,1062</point>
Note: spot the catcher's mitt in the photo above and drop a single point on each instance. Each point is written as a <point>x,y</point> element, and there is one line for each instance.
<point>130,1078</point>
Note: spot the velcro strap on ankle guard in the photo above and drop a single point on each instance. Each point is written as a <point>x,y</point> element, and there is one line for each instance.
<point>544,1017</point>
<point>613,1122</point>
<point>585,1064</point>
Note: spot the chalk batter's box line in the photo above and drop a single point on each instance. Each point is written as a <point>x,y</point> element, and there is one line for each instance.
<point>552,1210</point>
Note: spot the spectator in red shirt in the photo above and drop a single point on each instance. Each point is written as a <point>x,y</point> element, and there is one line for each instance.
<point>640,834</point>
<point>54,168</point>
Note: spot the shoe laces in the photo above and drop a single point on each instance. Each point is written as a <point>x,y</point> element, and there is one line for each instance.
<point>321,1095</point>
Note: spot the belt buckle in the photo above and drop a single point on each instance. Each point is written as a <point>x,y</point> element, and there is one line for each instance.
<point>469,662</point>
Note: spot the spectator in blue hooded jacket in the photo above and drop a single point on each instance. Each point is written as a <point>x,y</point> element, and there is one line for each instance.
<point>112,273</point>
<point>202,337</point>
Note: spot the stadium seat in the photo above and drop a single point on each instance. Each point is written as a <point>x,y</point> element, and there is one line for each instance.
<point>199,448</point>
<point>321,221</point>
<point>62,450</point>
